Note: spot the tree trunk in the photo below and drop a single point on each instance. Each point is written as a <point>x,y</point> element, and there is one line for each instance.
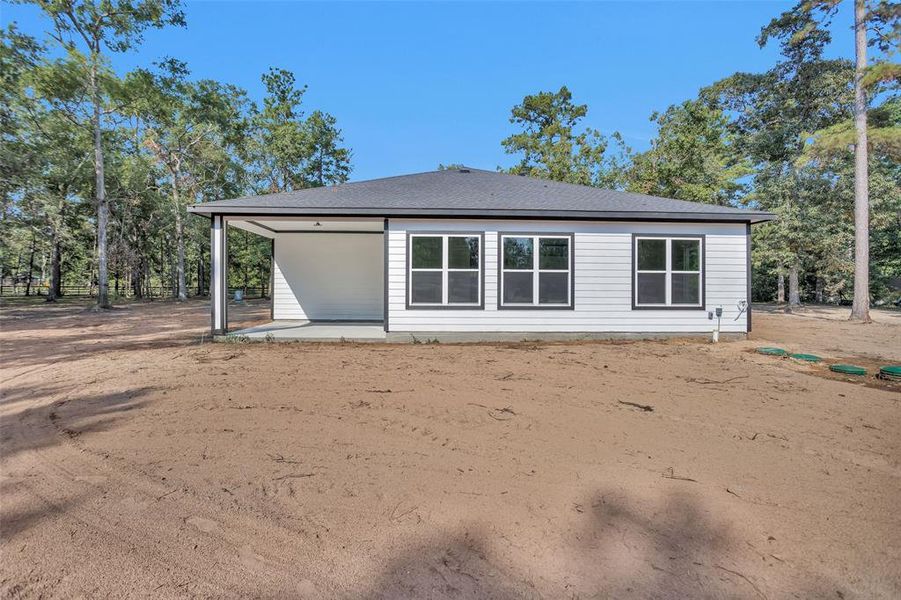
<point>246,265</point>
<point>17,276</point>
<point>860,308</point>
<point>182,290</point>
<point>200,271</point>
<point>162,266</point>
<point>30,267</point>
<point>43,272</point>
<point>137,276</point>
<point>173,275</point>
<point>262,282</point>
<point>794,289</point>
<point>55,269</point>
<point>100,189</point>
<point>780,289</point>
<point>818,291</point>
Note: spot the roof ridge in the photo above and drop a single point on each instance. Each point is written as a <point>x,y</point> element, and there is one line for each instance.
<point>472,190</point>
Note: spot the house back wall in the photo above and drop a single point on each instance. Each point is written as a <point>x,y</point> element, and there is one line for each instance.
<point>603,280</point>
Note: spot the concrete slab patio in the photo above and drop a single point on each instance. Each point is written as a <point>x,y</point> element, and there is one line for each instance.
<point>314,331</point>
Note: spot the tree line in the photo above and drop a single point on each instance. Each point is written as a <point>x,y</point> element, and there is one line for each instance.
<point>98,169</point>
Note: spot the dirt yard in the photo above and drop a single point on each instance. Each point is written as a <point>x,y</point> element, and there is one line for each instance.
<point>138,459</point>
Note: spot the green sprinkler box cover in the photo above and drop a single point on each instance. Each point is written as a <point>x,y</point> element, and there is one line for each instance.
<point>848,369</point>
<point>892,372</point>
<point>771,351</point>
<point>806,357</point>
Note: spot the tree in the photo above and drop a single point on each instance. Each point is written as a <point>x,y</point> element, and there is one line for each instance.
<point>280,146</point>
<point>62,179</point>
<point>327,162</point>
<point>87,30</point>
<point>771,113</point>
<point>692,158</point>
<point>292,152</point>
<point>45,155</point>
<point>829,153</point>
<point>142,208</point>
<point>19,55</point>
<point>166,141</point>
<point>804,25</point>
<point>550,146</point>
<point>187,131</point>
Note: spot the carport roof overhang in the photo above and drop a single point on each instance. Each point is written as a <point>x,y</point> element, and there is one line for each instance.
<point>250,212</point>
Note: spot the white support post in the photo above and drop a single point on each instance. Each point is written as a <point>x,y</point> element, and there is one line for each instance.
<point>218,275</point>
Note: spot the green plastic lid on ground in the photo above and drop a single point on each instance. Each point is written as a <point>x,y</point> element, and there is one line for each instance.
<point>806,357</point>
<point>890,372</point>
<point>848,369</point>
<point>771,351</point>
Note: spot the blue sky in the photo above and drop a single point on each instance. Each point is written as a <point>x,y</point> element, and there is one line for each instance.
<point>417,84</point>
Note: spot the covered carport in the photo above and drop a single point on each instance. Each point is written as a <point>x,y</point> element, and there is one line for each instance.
<point>328,276</point>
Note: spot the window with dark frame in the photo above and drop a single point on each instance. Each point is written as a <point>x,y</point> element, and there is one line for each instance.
<point>668,272</point>
<point>445,270</point>
<point>536,271</point>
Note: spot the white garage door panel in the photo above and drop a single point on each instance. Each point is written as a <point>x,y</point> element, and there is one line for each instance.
<point>329,276</point>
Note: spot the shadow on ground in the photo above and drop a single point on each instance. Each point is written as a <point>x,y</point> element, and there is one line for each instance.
<point>34,428</point>
<point>40,334</point>
<point>616,550</point>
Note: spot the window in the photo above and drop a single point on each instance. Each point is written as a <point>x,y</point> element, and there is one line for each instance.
<point>445,270</point>
<point>536,271</point>
<point>668,272</point>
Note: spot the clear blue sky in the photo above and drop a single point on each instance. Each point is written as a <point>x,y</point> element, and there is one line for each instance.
<point>417,84</point>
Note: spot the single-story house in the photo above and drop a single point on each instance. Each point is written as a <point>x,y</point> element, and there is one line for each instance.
<point>467,251</point>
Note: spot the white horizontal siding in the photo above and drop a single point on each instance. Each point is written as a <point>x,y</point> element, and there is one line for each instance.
<point>603,280</point>
<point>328,276</point>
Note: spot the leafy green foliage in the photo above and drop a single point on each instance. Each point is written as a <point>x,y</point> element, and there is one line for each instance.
<point>553,148</point>
<point>115,25</point>
<point>883,135</point>
<point>877,23</point>
<point>692,158</point>
<point>291,152</point>
<point>168,140</point>
<point>328,163</point>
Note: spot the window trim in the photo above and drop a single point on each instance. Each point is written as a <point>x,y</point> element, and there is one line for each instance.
<point>702,238</point>
<point>408,283</point>
<point>536,270</point>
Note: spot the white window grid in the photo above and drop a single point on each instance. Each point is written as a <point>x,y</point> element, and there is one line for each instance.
<point>536,271</point>
<point>669,271</point>
<point>445,269</point>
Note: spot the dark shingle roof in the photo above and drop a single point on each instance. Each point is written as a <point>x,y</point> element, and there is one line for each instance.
<point>475,193</point>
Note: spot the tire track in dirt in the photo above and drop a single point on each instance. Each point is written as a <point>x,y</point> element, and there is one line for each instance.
<point>146,526</point>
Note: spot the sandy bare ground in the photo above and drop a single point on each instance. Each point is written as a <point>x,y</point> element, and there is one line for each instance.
<point>138,461</point>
